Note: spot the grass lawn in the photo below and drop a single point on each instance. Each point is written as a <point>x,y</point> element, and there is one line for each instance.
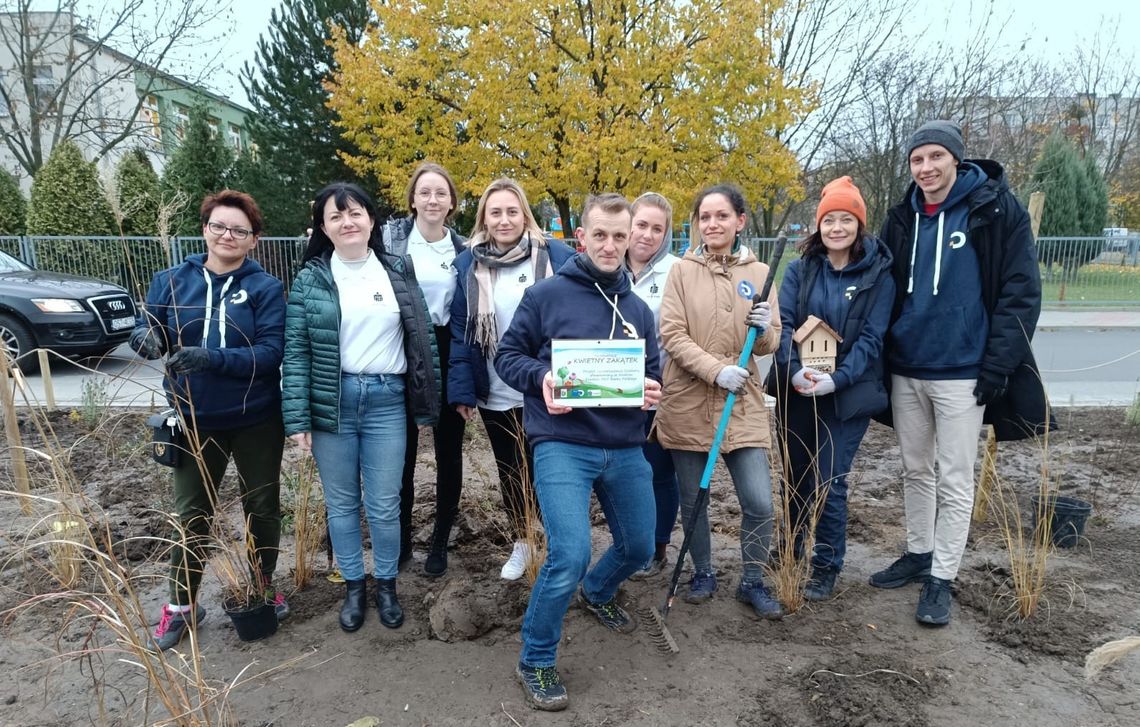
<point>1095,283</point>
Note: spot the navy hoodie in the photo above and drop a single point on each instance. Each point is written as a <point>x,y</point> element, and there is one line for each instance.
<point>942,327</point>
<point>245,336</point>
<point>569,306</point>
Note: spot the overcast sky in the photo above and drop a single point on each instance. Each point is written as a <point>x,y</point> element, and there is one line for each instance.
<point>1054,27</point>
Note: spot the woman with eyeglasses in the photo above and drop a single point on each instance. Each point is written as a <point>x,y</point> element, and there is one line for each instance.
<point>220,321</point>
<point>507,253</point>
<point>432,246</point>
<point>359,363</point>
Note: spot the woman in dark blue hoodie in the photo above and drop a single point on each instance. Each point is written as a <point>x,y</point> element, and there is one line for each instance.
<point>220,320</point>
<point>836,299</point>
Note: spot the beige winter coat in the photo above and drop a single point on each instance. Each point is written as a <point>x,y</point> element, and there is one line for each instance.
<point>703,330</point>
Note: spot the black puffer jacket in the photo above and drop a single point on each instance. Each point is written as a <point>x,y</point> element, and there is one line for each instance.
<point>1001,236</point>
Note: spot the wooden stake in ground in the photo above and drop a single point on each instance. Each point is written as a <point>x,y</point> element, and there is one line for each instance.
<point>989,458</point>
<point>45,376</point>
<point>12,433</point>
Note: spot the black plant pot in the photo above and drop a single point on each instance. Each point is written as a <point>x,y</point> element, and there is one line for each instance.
<point>1067,518</point>
<point>252,621</point>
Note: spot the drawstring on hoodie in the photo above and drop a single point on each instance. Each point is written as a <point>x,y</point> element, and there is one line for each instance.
<point>937,253</point>
<point>626,326</point>
<point>210,308</point>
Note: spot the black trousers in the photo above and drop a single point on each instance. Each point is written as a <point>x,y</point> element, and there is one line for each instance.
<point>448,435</point>
<point>515,461</point>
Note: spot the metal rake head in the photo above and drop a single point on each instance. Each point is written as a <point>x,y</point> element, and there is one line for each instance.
<point>658,632</point>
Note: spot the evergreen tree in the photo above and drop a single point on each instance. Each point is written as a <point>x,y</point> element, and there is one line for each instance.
<point>1094,199</point>
<point>67,197</point>
<point>285,211</point>
<point>295,131</point>
<point>1064,178</point>
<point>200,166</point>
<point>139,192</point>
<point>13,206</point>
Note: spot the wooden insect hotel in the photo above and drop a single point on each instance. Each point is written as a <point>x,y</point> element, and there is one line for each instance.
<point>818,345</point>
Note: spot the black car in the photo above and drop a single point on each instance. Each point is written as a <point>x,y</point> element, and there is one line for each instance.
<point>71,315</point>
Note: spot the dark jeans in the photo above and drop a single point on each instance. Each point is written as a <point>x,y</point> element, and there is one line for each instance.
<point>256,451</point>
<point>666,491</point>
<point>820,449</point>
<point>515,460</point>
<point>448,438</point>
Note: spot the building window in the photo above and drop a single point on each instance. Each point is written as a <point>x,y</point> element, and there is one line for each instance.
<point>44,88</point>
<point>151,120</point>
<point>235,137</point>
<point>213,124</point>
<point>182,120</point>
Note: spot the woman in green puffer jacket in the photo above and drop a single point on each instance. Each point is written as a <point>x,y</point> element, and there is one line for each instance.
<point>359,362</point>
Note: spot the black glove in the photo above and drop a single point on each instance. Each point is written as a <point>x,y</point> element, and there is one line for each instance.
<point>990,387</point>
<point>147,342</point>
<point>188,360</point>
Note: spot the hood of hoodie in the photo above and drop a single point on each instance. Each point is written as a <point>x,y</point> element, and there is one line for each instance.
<point>970,177</point>
<point>249,266</point>
<point>661,254</point>
<point>571,269</point>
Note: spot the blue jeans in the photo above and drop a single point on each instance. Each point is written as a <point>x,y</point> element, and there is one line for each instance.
<point>565,474</point>
<point>750,475</point>
<point>369,448</point>
<point>820,449</point>
<point>666,491</point>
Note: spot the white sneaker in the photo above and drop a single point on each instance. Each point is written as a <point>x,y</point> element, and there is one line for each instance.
<point>515,566</point>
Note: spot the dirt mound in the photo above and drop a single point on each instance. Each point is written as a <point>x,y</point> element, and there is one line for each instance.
<point>863,690</point>
<point>468,608</point>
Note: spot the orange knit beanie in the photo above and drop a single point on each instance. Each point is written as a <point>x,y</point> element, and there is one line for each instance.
<point>843,196</point>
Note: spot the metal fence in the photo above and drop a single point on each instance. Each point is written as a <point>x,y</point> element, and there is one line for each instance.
<point>1074,270</point>
<point>132,261</point>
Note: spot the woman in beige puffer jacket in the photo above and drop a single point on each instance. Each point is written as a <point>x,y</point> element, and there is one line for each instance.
<point>705,315</point>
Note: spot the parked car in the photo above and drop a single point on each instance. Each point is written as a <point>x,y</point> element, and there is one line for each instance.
<point>69,314</point>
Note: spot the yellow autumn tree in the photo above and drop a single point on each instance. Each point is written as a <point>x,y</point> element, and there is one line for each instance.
<point>570,96</point>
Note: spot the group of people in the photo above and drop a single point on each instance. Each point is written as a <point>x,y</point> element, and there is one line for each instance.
<point>394,325</point>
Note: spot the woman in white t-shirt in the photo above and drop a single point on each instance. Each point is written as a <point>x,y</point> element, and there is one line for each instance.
<point>424,237</point>
<point>507,253</point>
<point>359,362</point>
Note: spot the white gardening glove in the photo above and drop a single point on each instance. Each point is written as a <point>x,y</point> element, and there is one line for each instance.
<point>732,378</point>
<point>760,316</point>
<point>801,380</point>
<point>823,385</point>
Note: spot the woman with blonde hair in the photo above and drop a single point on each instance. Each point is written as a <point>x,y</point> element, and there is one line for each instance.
<point>507,253</point>
<point>649,260</point>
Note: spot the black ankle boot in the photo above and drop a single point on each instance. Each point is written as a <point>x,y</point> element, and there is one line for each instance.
<point>391,614</point>
<point>436,563</point>
<point>355,603</point>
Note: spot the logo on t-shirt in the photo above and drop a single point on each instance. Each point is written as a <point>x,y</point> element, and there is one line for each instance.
<point>239,297</point>
<point>522,278</point>
<point>746,289</point>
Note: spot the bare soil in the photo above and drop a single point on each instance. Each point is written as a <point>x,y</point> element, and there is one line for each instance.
<point>858,659</point>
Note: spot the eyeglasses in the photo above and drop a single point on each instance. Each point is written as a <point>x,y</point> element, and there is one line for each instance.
<point>239,233</point>
<point>426,194</point>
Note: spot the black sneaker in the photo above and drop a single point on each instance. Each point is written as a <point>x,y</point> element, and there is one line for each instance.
<point>934,602</point>
<point>909,568</point>
<point>821,584</point>
<point>543,687</point>
<point>612,616</point>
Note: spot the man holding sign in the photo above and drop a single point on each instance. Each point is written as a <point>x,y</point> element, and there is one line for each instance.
<point>589,319</point>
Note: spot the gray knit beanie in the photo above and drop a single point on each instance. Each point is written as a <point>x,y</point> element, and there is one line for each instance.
<point>941,132</point>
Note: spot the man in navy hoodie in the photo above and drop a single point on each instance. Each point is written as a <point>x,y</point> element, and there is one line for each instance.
<point>582,450</point>
<point>968,294</point>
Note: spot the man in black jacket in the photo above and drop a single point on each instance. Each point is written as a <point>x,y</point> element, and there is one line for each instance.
<point>968,294</point>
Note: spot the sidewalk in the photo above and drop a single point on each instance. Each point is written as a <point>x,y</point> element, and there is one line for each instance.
<point>1088,319</point>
